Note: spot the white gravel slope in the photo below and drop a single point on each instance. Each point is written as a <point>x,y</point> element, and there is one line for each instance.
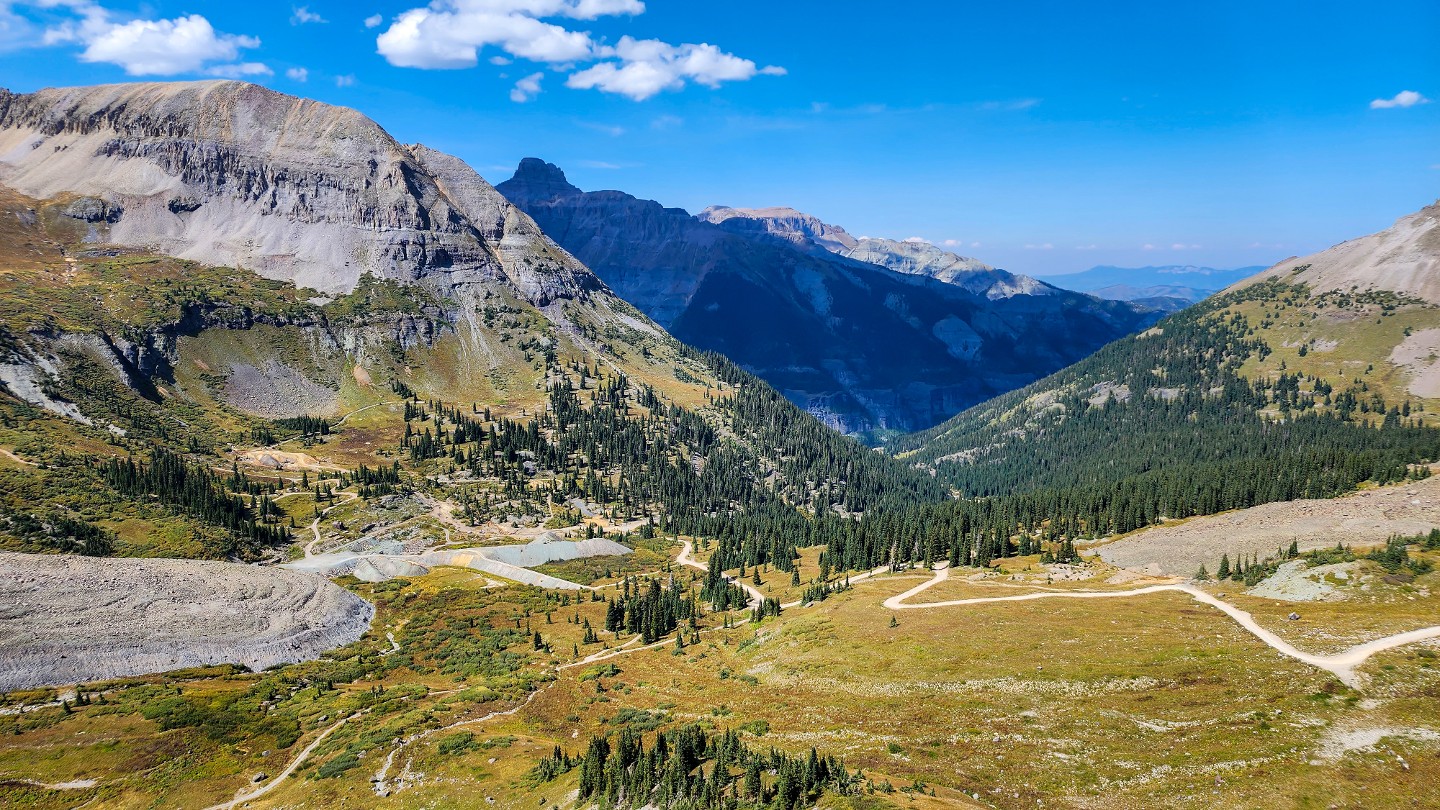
<point>67,619</point>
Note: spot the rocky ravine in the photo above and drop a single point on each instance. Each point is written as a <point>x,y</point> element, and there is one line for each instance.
<point>68,619</point>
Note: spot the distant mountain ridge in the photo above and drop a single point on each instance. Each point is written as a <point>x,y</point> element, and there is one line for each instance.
<point>861,346</point>
<point>910,256</point>
<point>1169,287</point>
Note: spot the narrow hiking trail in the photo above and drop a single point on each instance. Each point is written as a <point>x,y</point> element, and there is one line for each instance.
<point>285,774</point>
<point>1342,665</point>
<point>315,524</point>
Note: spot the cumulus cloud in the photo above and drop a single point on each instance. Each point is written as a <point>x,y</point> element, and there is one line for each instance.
<point>373,21</point>
<point>527,88</point>
<point>303,14</point>
<point>917,240</point>
<point>348,80</point>
<point>450,34</point>
<point>151,47</point>
<point>644,67</point>
<point>298,74</point>
<point>1404,98</point>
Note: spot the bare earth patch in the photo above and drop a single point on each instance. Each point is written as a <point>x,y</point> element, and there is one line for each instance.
<point>1420,356</point>
<point>277,391</point>
<point>66,619</point>
<point>1362,519</point>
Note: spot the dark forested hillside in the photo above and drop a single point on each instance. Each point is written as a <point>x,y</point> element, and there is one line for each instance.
<point>1171,423</point>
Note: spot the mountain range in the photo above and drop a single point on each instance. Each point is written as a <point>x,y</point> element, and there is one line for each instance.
<point>1166,287</point>
<point>868,335</point>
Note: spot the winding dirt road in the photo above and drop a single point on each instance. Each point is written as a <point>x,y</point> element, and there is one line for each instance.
<point>756,597</point>
<point>1342,665</point>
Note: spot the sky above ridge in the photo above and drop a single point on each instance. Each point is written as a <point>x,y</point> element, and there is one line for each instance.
<point>1043,137</point>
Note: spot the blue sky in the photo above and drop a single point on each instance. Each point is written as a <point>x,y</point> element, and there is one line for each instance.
<point>1043,137</point>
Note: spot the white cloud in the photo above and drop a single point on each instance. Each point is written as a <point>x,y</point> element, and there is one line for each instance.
<point>348,80</point>
<point>613,130</point>
<point>953,243</point>
<point>297,74</point>
<point>1045,246</point>
<point>239,70</point>
<point>917,240</point>
<point>303,14</point>
<point>1147,247</point>
<point>672,121</point>
<point>450,34</point>
<point>648,66</point>
<point>1182,246</point>
<point>600,164</point>
<point>15,31</point>
<point>150,47</point>
<point>373,21</point>
<point>1087,247</point>
<point>527,88</point>
<point>1404,98</point>
<point>1014,105</point>
<point>500,61</point>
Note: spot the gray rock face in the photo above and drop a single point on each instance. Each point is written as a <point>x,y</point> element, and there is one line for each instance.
<point>230,173</point>
<point>925,259</point>
<point>787,223</point>
<point>910,257</point>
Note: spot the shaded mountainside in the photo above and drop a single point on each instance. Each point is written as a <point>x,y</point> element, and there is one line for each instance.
<point>157,243</point>
<point>1271,391</point>
<point>862,347</point>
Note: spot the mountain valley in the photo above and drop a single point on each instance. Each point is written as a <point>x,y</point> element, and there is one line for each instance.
<point>428,493</point>
<point>863,334</point>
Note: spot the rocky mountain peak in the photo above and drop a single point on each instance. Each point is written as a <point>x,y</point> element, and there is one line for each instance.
<point>231,173</point>
<point>543,180</point>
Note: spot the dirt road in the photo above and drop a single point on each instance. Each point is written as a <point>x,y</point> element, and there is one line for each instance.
<point>1342,665</point>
